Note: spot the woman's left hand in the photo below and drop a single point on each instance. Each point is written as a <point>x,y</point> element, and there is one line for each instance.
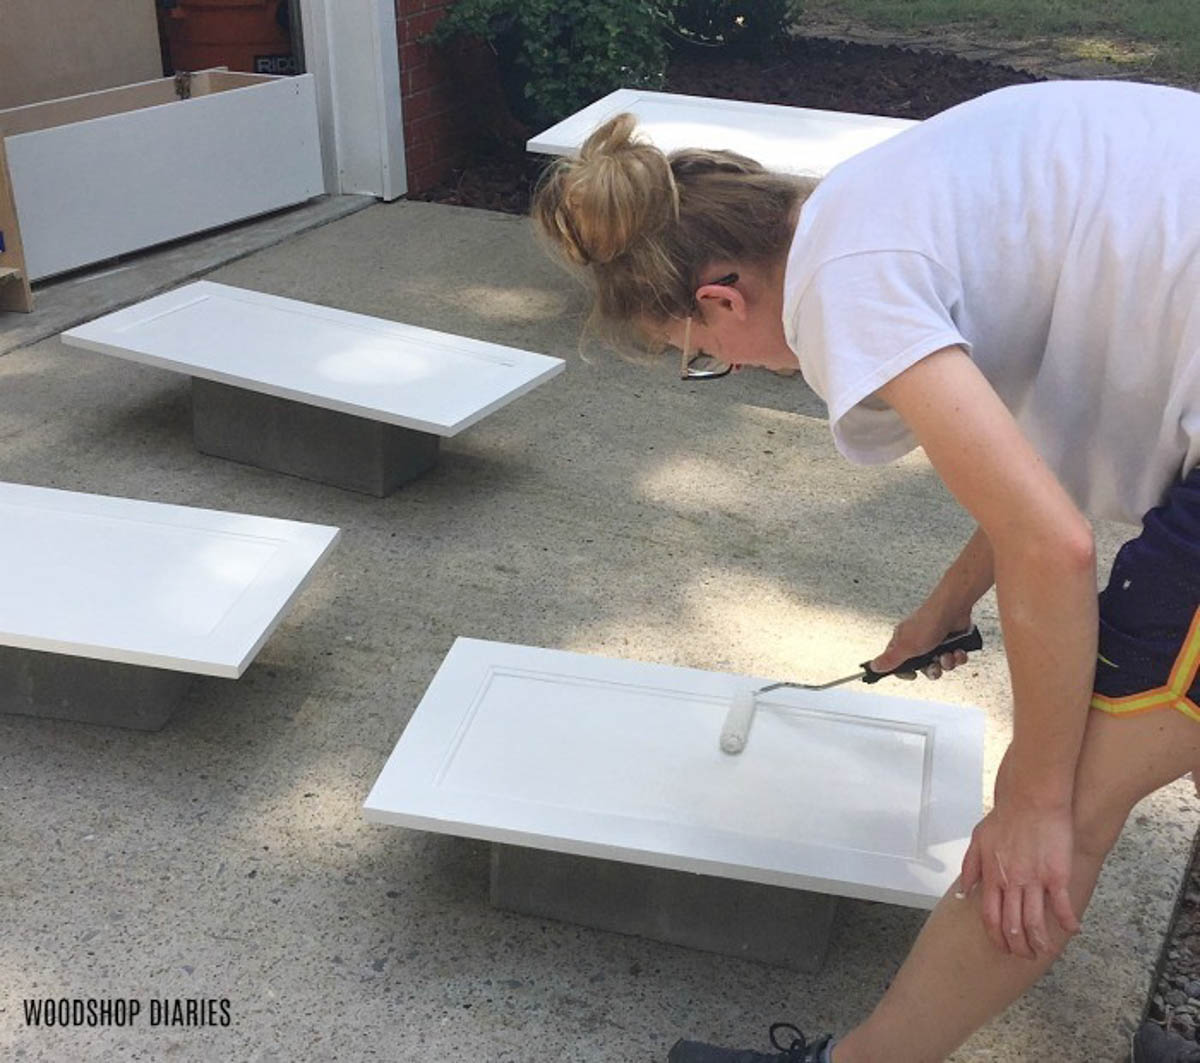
<point>1020,858</point>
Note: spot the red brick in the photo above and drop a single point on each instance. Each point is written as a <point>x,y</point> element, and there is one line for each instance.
<point>440,122</point>
<point>426,78</point>
<point>408,8</point>
<point>425,155</point>
<point>436,86</point>
<point>415,134</point>
<point>413,54</point>
<point>421,155</point>
<point>413,77</point>
<point>420,181</point>
<point>429,128</point>
<point>419,25</point>
<point>422,178</point>
<point>421,51</point>
<point>425,129</point>
<point>419,104</point>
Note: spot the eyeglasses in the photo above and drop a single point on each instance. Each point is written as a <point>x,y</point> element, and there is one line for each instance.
<point>701,366</point>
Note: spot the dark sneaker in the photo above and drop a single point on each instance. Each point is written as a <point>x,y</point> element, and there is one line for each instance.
<point>1152,1044</point>
<point>789,1042</point>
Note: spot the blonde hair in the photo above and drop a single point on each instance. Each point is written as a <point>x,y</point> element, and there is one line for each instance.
<point>643,225</point>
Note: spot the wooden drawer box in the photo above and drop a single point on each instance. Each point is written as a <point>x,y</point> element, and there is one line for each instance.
<point>87,178</point>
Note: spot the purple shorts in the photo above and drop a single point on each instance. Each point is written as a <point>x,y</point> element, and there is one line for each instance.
<point>1150,613</point>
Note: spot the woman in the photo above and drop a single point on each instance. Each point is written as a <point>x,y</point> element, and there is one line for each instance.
<point>1013,285</point>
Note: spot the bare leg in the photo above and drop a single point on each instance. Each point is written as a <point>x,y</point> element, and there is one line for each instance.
<point>954,980</point>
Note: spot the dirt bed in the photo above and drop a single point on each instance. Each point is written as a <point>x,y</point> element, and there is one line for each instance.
<point>833,75</point>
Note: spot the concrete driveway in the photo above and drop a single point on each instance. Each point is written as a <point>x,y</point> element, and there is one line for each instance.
<point>615,511</point>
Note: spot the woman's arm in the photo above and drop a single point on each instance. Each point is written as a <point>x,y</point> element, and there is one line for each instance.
<point>1044,567</point>
<point>946,611</point>
<point>964,583</point>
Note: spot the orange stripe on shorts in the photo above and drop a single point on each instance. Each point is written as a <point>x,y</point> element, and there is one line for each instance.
<point>1173,694</point>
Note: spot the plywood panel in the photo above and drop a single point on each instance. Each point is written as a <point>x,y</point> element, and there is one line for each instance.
<point>53,48</point>
<point>786,139</point>
<point>120,100</point>
<point>15,293</point>
<point>174,587</point>
<point>51,113</point>
<point>206,81</point>
<point>839,791</point>
<point>387,371</point>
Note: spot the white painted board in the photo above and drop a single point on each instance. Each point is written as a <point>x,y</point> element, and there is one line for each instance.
<point>384,370</point>
<point>88,191</point>
<point>352,51</point>
<point>796,140</point>
<point>117,579</point>
<point>841,791</point>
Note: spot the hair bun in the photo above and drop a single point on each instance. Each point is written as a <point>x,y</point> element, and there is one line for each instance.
<point>615,192</point>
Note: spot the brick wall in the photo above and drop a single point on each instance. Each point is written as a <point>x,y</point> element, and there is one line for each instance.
<point>439,111</point>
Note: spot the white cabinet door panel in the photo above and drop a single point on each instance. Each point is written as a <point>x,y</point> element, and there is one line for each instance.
<point>383,370</point>
<point>145,583</point>
<point>845,792</point>
<point>786,139</point>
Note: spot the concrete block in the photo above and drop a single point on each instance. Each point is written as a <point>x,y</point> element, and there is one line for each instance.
<point>771,924</point>
<point>61,687</point>
<point>341,449</point>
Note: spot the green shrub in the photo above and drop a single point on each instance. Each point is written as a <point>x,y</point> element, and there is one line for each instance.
<point>555,56</point>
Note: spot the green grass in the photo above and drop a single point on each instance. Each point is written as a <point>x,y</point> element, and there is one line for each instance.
<point>1159,36</point>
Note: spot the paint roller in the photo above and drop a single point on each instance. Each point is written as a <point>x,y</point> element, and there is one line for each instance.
<point>741,710</point>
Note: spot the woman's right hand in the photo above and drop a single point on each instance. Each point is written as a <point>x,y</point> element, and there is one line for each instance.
<point>918,633</point>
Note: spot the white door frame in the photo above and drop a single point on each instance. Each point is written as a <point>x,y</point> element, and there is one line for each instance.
<point>350,48</point>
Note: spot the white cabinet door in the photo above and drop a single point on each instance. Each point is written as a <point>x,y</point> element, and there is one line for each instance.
<point>845,792</point>
<point>786,139</point>
<point>384,370</point>
<point>194,590</point>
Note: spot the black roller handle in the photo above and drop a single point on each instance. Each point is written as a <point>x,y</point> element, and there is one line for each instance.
<point>967,641</point>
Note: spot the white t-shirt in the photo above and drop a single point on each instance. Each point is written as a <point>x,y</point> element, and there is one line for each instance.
<point>1053,231</point>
